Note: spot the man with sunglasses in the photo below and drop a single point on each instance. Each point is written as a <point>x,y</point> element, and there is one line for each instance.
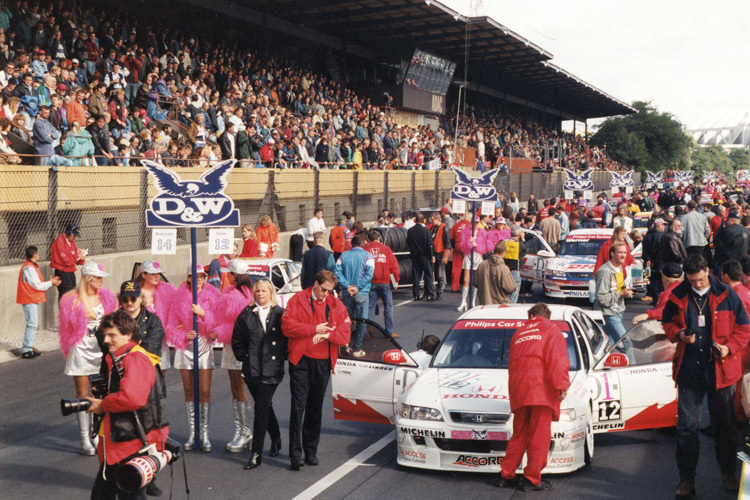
<point>316,324</point>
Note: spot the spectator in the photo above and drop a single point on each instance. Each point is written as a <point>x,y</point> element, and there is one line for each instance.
<point>386,274</point>
<point>314,225</point>
<point>494,281</point>
<point>30,294</point>
<point>422,254</point>
<point>268,237</point>
<point>612,288</point>
<point>99,131</point>
<point>731,241</point>
<point>354,271</point>
<point>315,260</point>
<point>427,348</point>
<point>671,248</point>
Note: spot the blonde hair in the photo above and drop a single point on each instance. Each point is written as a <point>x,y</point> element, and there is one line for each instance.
<point>249,229</point>
<point>271,288</point>
<point>265,220</point>
<point>13,104</point>
<point>85,293</point>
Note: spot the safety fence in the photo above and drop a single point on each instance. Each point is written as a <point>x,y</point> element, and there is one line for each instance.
<point>109,203</point>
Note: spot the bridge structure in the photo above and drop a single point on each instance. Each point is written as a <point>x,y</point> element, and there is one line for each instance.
<point>732,132</point>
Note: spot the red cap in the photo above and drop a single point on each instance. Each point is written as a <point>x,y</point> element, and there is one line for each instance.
<point>445,210</point>
<point>141,111</point>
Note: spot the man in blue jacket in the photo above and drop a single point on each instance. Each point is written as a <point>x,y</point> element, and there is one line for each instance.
<point>354,270</point>
<point>45,136</point>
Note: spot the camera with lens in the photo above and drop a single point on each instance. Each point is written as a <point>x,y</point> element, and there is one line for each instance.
<point>137,472</point>
<point>98,390</point>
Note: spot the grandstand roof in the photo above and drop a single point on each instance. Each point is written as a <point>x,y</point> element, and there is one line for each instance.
<point>499,59</point>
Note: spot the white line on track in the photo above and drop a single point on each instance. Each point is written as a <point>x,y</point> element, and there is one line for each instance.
<point>404,303</point>
<point>359,459</point>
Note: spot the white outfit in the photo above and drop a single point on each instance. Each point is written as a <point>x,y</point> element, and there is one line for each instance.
<point>467,261</point>
<point>183,360</point>
<point>85,358</point>
<point>313,226</point>
<point>421,357</point>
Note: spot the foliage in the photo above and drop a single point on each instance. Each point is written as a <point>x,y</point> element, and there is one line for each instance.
<point>740,159</point>
<point>711,159</point>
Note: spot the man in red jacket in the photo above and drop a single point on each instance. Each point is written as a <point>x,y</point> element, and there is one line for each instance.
<point>709,324</point>
<point>65,256</point>
<point>380,287</point>
<point>538,381</point>
<point>731,276</point>
<point>458,257</point>
<point>317,324</point>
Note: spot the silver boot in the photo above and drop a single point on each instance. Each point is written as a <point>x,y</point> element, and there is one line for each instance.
<point>242,432</point>
<point>464,297</point>
<point>190,443</point>
<point>205,412</point>
<point>84,429</point>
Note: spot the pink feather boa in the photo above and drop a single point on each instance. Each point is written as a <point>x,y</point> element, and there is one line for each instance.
<point>496,235</point>
<point>180,314</point>
<point>484,244</point>
<point>231,305</point>
<point>72,321</point>
<point>163,295</point>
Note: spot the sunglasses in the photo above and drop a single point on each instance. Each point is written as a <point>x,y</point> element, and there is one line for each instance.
<point>326,290</point>
<point>128,300</point>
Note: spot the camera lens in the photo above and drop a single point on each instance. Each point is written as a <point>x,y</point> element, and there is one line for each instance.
<point>68,406</point>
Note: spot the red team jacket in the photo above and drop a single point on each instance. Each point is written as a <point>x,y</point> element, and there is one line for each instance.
<point>385,262</point>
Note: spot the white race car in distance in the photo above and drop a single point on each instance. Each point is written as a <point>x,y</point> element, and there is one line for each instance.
<point>455,415</point>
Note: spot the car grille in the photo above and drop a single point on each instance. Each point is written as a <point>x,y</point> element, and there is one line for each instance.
<point>470,445</point>
<point>580,275</point>
<point>479,418</point>
<point>574,288</point>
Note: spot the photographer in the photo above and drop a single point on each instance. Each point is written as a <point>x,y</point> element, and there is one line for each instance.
<point>136,396</point>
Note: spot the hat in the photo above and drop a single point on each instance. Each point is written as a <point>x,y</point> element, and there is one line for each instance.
<point>93,269</point>
<point>445,210</point>
<point>130,288</point>
<point>672,270</point>
<point>73,229</point>
<point>198,269</point>
<point>150,267</point>
<point>271,141</point>
<point>274,131</point>
<point>659,220</point>
<point>500,220</point>
<point>74,61</point>
<point>340,218</point>
<point>236,266</point>
<point>61,86</point>
<point>142,112</point>
<point>41,51</point>
<point>734,214</point>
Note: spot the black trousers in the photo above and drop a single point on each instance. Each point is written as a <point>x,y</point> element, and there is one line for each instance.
<point>264,418</point>
<point>308,381</point>
<point>422,266</point>
<point>67,283</point>
<point>106,489</point>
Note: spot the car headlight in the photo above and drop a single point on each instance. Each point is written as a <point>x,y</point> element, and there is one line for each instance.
<point>420,413</point>
<point>556,274</point>
<point>568,415</point>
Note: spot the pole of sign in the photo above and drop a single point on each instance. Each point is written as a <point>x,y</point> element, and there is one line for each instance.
<point>471,265</point>
<point>196,379</point>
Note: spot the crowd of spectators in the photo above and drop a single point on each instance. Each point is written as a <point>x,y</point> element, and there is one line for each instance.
<point>86,87</point>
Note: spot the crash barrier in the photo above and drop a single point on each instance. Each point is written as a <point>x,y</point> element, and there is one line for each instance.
<point>109,203</point>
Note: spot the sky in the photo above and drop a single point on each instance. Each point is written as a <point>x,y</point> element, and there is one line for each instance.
<point>689,58</point>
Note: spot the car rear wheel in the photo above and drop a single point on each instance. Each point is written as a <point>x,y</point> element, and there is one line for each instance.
<point>588,444</point>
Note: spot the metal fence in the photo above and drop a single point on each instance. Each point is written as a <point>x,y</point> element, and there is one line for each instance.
<point>109,203</point>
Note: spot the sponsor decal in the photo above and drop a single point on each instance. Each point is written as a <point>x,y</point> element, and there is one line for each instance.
<point>562,460</point>
<point>577,438</point>
<point>640,370</point>
<point>471,324</point>
<point>413,456</point>
<point>558,435</point>
<point>475,188</point>
<point>493,389</point>
<point>422,432</point>
<point>458,380</point>
<point>609,426</point>
<point>578,181</point>
<point>472,461</point>
<point>528,337</point>
<point>475,396</point>
<point>480,435</point>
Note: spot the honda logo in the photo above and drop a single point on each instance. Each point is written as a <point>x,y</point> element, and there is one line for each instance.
<point>478,419</point>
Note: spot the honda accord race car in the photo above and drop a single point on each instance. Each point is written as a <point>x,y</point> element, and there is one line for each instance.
<point>569,274</point>
<point>455,415</point>
<point>283,273</point>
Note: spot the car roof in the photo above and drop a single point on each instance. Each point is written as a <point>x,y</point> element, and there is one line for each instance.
<point>264,260</point>
<point>595,232</point>
<point>559,312</point>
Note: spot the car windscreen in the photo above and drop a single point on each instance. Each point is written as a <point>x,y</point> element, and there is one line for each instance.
<point>581,246</point>
<point>640,222</point>
<point>486,344</point>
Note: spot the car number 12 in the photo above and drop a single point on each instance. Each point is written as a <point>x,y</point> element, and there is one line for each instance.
<point>609,410</point>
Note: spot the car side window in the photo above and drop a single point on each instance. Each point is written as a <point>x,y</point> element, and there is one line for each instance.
<point>277,277</point>
<point>650,344</point>
<point>535,245</point>
<point>597,338</point>
<point>376,345</point>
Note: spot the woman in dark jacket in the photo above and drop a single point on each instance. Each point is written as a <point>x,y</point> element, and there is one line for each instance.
<point>258,343</point>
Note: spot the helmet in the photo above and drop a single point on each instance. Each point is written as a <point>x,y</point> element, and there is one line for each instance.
<point>72,229</point>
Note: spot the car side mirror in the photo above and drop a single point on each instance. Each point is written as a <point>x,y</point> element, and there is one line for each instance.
<point>394,357</point>
<point>545,253</point>
<point>616,360</point>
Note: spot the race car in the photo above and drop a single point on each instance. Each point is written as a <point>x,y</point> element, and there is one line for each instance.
<point>283,273</point>
<point>569,274</point>
<point>455,415</point>
<point>640,221</point>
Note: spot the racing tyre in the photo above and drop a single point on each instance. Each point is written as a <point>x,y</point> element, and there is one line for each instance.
<point>588,442</point>
<point>404,271</point>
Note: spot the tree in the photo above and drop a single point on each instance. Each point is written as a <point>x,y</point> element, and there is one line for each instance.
<point>740,159</point>
<point>711,159</point>
<point>647,139</point>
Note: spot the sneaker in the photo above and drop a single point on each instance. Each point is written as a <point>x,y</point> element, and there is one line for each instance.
<point>730,483</point>
<point>685,490</point>
<point>543,485</point>
<point>515,482</point>
<point>30,355</point>
<point>359,354</point>
<point>395,335</point>
<point>646,299</point>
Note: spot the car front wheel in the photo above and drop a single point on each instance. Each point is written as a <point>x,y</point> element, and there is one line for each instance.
<point>588,445</point>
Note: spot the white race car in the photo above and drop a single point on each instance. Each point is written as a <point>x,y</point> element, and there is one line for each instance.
<point>283,273</point>
<point>455,415</point>
<point>569,274</point>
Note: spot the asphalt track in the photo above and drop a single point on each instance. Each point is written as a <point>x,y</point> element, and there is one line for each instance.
<point>39,448</point>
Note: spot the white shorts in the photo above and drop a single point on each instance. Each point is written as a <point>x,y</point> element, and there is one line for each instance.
<point>467,261</point>
<point>183,360</point>
<point>85,358</point>
<point>165,363</point>
<point>228,360</point>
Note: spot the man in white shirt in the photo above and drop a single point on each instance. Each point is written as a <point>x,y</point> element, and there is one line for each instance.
<point>314,225</point>
<point>423,356</point>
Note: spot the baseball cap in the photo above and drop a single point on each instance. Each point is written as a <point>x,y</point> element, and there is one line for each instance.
<point>236,266</point>
<point>340,218</point>
<point>445,210</point>
<point>73,229</point>
<point>93,269</point>
<point>734,214</point>
<point>270,141</point>
<point>500,220</point>
<point>142,112</point>
<point>75,61</point>
<point>672,270</point>
<point>198,269</point>
<point>130,288</point>
<point>150,267</point>
<point>659,220</point>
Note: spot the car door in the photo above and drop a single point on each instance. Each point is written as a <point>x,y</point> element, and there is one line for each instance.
<point>635,386</point>
<point>535,261</point>
<point>367,389</point>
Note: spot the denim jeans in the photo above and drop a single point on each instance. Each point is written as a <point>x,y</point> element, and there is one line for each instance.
<point>614,328</point>
<point>382,291</point>
<point>130,92</point>
<point>690,392</point>
<point>358,308</point>
<point>31,313</point>
<point>517,278</point>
